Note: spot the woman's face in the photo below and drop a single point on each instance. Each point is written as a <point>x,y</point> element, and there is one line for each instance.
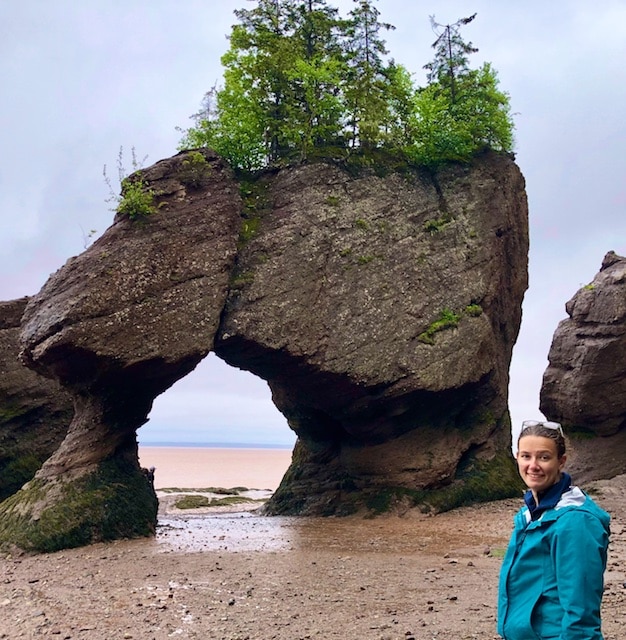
<point>538,463</point>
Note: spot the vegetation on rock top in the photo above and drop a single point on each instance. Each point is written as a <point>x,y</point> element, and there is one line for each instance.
<point>301,82</point>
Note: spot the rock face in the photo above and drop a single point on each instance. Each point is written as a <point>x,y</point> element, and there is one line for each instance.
<point>584,386</point>
<point>117,326</point>
<point>381,309</point>
<point>35,412</point>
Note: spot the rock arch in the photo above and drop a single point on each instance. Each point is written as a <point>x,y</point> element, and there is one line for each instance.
<point>381,309</point>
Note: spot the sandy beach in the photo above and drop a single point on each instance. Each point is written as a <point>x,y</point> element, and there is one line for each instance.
<point>255,468</point>
<point>237,575</point>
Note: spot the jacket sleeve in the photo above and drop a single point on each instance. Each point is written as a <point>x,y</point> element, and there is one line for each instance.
<point>579,553</point>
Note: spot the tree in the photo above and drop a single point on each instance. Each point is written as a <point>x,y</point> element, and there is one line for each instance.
<point>315,105</point>
<point>368,80</point>
<point>461,111</point>
<point>299,80</point>
<point>451,53</point>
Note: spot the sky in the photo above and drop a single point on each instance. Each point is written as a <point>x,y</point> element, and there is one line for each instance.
<point>83,80</point>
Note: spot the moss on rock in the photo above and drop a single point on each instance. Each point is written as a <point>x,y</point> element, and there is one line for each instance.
<point>116,501</point>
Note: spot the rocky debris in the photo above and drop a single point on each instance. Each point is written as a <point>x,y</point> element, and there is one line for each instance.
<point>584,385</point>
<point>381,307</point>
<point>382,310</point>
<point>116,326</point>
<point>35,412</point>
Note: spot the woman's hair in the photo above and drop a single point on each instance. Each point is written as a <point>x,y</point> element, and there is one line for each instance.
<point>550,430</point>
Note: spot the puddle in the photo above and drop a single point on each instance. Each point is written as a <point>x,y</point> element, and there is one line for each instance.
<point>248,531</point>
<point>225,532</point>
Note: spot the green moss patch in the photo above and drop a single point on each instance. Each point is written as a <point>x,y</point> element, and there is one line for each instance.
<point>16,472</point>
<point>116,501</point>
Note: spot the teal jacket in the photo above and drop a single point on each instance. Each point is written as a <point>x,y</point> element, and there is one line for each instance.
<point>552,576</point>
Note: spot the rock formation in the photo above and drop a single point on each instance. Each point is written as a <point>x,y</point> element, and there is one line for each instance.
<point>116,326</point>
<point>35,412</point>
<point>584,386</point>
<point>382,309</point>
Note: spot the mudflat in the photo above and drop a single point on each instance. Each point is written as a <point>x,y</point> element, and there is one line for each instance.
<point>226,573</point>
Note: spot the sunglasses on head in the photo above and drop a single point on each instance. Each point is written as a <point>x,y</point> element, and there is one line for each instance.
<point>538,423</point>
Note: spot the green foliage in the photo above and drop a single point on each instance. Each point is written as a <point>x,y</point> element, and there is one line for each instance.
<point>300,82</point>
<point>436,224</point>
<point>136,199</point>
<point>473,310</point>
<point>448,319</point>
<point>195,171</point>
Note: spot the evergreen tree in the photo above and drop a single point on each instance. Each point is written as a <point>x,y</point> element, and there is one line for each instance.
<point>299,79</point>
<point>315,104</point>
<point>451,53</point>
<point>368,81</point>
<point>461,111</point>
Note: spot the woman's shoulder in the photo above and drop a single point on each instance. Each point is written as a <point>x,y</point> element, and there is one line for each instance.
<point>575,501</point>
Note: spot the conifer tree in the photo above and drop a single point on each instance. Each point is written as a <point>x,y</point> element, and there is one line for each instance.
<point>462,110</point>
<point>368,81</point>
<point>300,81</point>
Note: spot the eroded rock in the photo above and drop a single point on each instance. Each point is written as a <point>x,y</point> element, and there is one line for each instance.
<point>35,412</point>
<point>383,310</point>
<point>117,326</point>
<point>584,385</point>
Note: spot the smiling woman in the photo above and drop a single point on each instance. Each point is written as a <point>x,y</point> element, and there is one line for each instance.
<point>551,582</point>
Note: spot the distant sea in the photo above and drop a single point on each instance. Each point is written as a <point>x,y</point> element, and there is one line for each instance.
<point>218,445</point>
<point>194,465</point>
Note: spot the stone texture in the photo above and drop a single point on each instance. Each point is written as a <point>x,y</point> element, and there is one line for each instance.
<point>332,304</point>
<point>584,385</point>
<point>35,412</point>
<point>381,307</point>
<point>118,325</point>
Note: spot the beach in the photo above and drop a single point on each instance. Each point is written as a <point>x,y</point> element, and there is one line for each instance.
<point>206,466</point>
<point>239,575</point>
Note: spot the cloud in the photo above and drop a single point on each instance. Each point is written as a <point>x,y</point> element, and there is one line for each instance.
<point>82,80</point>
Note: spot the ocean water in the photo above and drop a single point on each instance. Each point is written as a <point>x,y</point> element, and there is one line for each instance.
<point>198,466</point>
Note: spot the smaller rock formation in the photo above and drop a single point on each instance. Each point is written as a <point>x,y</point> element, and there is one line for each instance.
<point>584,386</point>
<point>35,412</point>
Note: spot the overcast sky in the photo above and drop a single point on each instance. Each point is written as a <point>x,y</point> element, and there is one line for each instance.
<point>82,79</point>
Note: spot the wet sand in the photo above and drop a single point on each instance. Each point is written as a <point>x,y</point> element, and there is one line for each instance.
<point>248,577</point>
<point>196,467</point>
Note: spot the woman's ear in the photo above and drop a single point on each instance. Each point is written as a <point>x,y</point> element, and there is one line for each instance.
<point>562,460</point>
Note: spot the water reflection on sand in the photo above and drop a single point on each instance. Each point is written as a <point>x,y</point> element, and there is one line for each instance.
<point>249,531</point>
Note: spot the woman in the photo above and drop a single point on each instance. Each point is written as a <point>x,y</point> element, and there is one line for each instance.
<point>551,580</point>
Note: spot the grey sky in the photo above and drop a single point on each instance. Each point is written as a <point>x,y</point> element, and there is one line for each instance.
<point>82,79</point>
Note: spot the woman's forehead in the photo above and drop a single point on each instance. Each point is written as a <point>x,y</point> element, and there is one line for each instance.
<point>536,443</point>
